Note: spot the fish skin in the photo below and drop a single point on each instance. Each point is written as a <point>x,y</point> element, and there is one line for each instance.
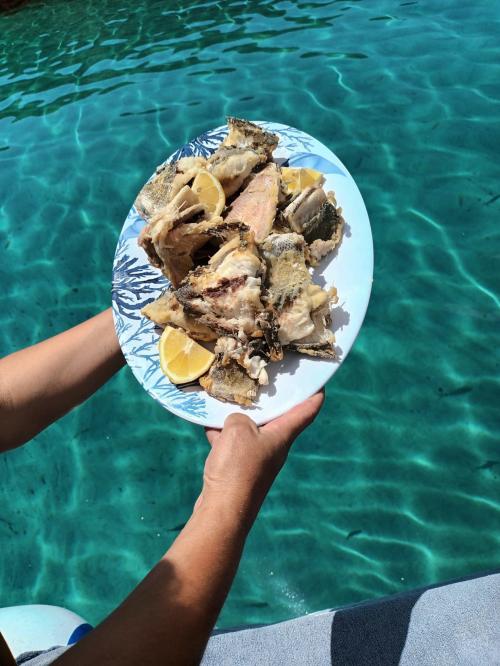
<point>315,215</point>
<point>156,193</point>
<point>323,226</point>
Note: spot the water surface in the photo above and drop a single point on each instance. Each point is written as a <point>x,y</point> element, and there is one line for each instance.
<point>398,482</point>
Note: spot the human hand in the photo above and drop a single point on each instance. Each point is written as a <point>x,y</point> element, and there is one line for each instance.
<point>245,460</point>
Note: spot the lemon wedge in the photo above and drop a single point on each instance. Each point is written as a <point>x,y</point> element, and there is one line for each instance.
<point>209,191</point>
<point>296,180</point>
<point>181,358</point>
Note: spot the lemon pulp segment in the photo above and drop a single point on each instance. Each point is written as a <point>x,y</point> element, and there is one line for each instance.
<point>209,192</point>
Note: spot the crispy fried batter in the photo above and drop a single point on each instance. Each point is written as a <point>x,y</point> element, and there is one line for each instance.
<point>287,273</point>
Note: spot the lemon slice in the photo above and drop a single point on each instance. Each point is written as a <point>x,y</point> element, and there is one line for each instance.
<point>181,358</point>
<point>296,180</point>
<point>209,191</point>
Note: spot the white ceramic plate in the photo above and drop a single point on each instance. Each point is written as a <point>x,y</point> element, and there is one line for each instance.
<point>349,269</point>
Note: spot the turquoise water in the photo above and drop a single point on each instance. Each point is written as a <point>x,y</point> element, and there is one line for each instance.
<point>398,482</point>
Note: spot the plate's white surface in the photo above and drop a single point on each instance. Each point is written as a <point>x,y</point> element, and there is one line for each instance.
<point>350,270</point>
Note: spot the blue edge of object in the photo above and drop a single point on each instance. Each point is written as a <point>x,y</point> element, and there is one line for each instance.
<point>79,632</point>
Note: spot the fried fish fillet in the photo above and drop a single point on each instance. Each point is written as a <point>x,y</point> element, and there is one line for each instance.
<point>314,215</point>
<point>243,133</point>
<point>167,310</point>
<point>228,349</point>
<point>320,342</point>
<point>302,307</point>
<point>287,273</point>
<point>232,166</point>
<point>236,374</point>
<point>226,294</point>
<point>230,382</point>
<point>168,180</point>
<point>256,205</point>
<point>174,235</point>
<point>246,146</point>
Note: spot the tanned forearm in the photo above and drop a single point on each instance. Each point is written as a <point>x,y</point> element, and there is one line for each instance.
<point>41,383</point>
<point>168,618</point>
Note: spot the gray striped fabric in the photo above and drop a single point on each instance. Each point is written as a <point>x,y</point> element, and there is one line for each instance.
<point>452,625</point>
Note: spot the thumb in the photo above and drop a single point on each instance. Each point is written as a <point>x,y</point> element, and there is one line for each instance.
<point>212,435</point>
<point>289,426</point>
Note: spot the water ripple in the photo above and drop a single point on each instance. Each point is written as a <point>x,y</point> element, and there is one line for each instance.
<point>396,485</point>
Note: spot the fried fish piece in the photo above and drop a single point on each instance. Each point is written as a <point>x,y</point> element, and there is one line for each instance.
<point>168,180</point>
<point>303,207</point>
<point>226,294</point>
<point>228,349</point>
<point>314,215</point>
<point>174,235</point>
<point>166,310</point>
<point>295,319</point>
<point>230,382</point>
<point>256,205</point>
<point>243,133</point>
<point>325,230</point>
<point>302,307</point>
<point>236,373</point>
<point>167,228</point>
<point>246,146</point>
<point>287,273</point>
<point>320,342</point>
<point>270,346</point>
<point>232,166</point>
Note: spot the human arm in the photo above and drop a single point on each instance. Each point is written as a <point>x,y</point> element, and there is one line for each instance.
<point>41,383</point>
<point>168,618</point>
